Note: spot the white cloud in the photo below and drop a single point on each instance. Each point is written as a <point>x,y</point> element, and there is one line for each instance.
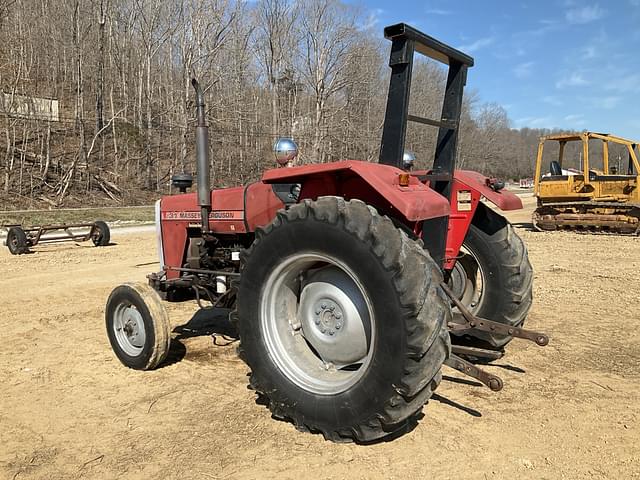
<point>574,80</point>
<point>575,119</point>
<point>552,100</point>
<point>523,70</point>
<point>534,122</point>
<point>477,45</point>
<point>438,11</point>
<point>606,103</point>
<point>589,52</point>
<point>586,14</point>
<point>545,27</point>
<point>623,84</point>
<point>372,19</point>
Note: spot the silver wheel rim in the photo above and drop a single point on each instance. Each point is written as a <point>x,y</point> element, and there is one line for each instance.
<point>128,327</point>
<point>468,288</point>
<point>317,323</point>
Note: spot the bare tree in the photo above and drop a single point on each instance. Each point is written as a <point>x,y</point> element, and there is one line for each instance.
<point>121,70</point>
<point>329,44</point>
<point>275,42</point>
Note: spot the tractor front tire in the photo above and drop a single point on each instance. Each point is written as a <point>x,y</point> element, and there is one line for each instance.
<point>17,241</point>
<point>341,320</point>
<point>499,278</point>
<point>137,326</point>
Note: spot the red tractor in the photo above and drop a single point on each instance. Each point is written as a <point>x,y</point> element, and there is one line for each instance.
<point>348,282</point>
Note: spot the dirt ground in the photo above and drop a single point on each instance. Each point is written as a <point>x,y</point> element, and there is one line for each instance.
<point>69,409</point>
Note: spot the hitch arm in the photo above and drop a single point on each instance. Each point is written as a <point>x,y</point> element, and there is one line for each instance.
<point>471,322</point>
<point>476,323</point>
<point>492,381</point>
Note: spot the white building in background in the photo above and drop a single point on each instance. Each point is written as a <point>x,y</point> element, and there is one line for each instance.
<point>29,107</point>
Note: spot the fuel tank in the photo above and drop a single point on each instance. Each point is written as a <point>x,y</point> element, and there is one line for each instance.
<point>179,213</point>
<point>233,210</point>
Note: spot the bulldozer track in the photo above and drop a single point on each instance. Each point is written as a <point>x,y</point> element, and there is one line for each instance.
<point>587,217</point>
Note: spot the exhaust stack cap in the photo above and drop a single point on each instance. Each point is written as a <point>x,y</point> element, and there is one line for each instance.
<point>285,150</point>
<point>182,181</point>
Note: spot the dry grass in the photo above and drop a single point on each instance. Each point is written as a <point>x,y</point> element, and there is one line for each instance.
<point>74,215</point>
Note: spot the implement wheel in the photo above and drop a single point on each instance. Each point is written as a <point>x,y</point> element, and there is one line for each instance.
<point>101,234</point>
<point>341,320</point>
<point>17,241</point>
<point>493,278</point>
<point>137,326</point>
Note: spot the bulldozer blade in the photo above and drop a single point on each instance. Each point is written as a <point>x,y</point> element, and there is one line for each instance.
<point>471,322</point>
<point>492,381</point>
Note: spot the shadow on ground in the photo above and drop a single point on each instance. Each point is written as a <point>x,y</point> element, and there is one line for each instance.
<point>446,401</point>
<point>213,322</point>
<point>528,226</point>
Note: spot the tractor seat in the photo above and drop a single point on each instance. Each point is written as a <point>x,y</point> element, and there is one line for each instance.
<point>555,168</point>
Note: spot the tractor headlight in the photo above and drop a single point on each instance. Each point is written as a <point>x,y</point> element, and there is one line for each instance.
<point>408,158</point>
<point>285,150</point>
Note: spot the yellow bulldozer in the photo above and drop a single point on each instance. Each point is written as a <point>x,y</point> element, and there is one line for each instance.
<point>598,195</point>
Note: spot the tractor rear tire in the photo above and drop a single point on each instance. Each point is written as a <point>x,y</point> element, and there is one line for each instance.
<point>17,241</point>
<point>341,320</point>
<point>102,234</point>
<point>137,326</point>
<point>497,258</point>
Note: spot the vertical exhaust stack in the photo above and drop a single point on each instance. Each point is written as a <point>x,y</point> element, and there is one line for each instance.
<point>202,158</point>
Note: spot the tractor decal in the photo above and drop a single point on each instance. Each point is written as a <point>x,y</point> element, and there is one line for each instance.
<point>215,215</point>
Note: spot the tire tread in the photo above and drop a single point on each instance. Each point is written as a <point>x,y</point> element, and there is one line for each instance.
<point>424,307</point>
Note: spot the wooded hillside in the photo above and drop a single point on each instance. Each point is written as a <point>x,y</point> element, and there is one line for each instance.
<point>120,70</point>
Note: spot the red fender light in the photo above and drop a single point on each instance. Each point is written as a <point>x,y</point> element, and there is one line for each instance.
<point>403,179</point>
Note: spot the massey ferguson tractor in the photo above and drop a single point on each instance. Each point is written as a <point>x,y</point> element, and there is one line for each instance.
<point>350,283</point>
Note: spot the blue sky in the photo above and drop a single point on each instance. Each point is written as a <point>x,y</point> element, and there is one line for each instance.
<point>551,63</point>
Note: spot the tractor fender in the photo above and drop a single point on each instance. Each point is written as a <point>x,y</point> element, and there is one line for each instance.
<point>374,183</point>
<point>476,181</point>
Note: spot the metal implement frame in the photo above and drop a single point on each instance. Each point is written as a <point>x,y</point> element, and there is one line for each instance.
<point>405,41</point>
<point>35,234</point>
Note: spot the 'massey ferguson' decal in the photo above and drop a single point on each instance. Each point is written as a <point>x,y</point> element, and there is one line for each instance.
<point>215,215</point>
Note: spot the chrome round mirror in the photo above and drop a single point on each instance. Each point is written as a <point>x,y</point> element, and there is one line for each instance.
<point>408,158</point>
<point>285,150</point>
